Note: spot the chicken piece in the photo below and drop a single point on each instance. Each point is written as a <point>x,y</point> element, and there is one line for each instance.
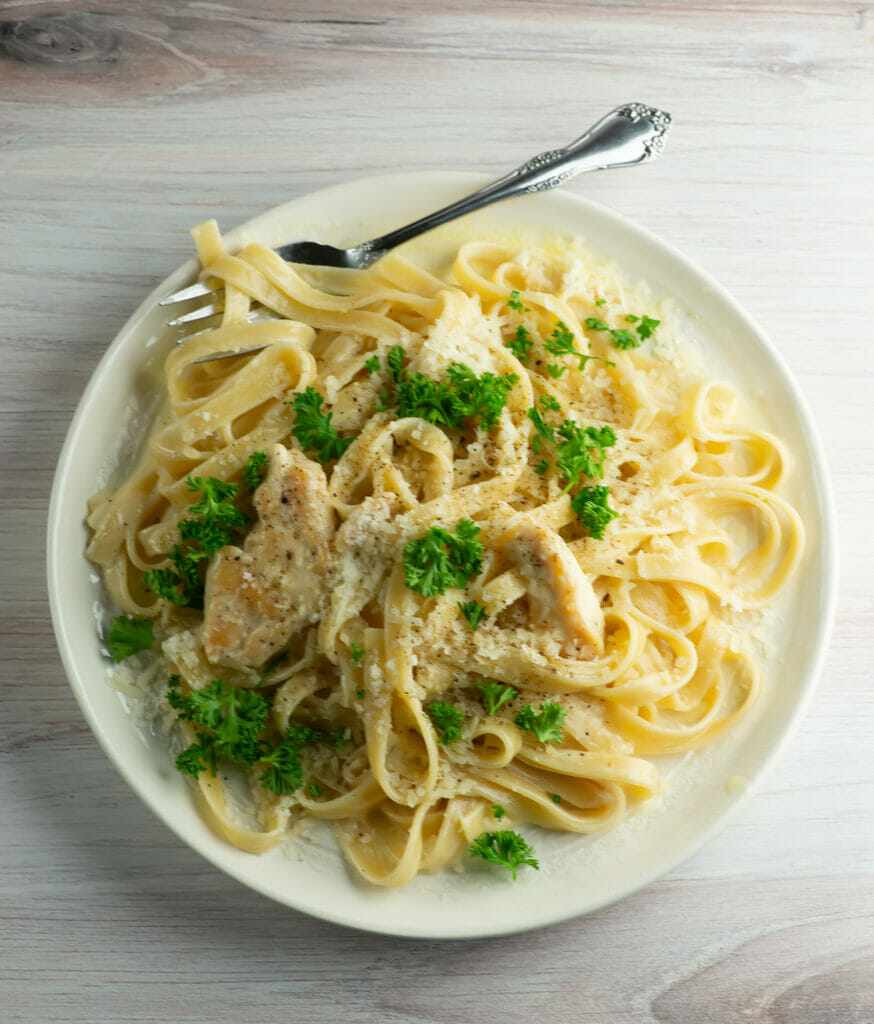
<point>258,597</point>
<point>364,545</point>
<point>558,590</point>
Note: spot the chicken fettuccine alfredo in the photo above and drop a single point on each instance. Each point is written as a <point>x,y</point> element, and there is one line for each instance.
<point>441,556</point>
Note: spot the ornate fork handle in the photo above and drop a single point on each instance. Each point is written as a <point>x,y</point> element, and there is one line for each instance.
<point>630,134</point>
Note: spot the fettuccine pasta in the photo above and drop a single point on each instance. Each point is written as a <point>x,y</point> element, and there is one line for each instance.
<point>627,623</point>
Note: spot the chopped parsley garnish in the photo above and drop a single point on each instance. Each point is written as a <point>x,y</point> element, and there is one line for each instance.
<point>545,723</point>
<point>314,790</point>
<point>621,336</point>
<point>561,343</point>
<point>357,651</point>
<point>230,721</point>
<point>600,302</point>
<point>514,302</point>
<point>581,451</point>
<point>361,694</point>
<point>314,429</point>
<point>647,326</point>
<point>442,559</point>
<point>541,467</point>
<point>550,402</point>
<point>498,812</point>
<point>128,636</point>
<point>556,799</point>
<point>255,470</point>
<point>283,771</point>
<point>372,364</point>
<point>447,721</point>
<point>493,694</point>
<point>592,509</point>
<point>219,517</point>
<point>473,611</point>
<point>463,400</point>
<point>506,848</point>
<point>542,430</point>
<point>339,737</point>
<point>234,717</point>
<point>520,344</point>
<point>555,370</point>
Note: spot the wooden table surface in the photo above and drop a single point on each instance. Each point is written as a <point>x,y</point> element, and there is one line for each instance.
<point>121,124</point>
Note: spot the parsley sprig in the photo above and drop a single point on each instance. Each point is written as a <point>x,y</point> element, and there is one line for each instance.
<point>561,343</point>
<point>582,450</point>
<point>213,529</point>
<point>442,559</point>
<point>493,694</point>
<point>621,336</point>
<point>506,848</point>
<point>464,399</point>
<point>255,470</point>
<point>230,722</point>
<point>447,721</point>
<point>313,428</point>
<point>128,636</point>
<point>473,611</point>
<point>520,344</point>
<point>593,510</point>
<point>545,723</point>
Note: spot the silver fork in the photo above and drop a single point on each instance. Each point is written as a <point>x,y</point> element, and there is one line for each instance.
<point>630,134</point>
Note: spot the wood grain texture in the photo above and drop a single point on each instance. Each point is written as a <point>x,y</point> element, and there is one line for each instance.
<point>121,124</point>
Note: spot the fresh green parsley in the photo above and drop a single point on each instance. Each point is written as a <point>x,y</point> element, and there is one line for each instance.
<point>541,467</point>
<point>550,402</point>
<point>647,326</point>
<point>592,509</point>
<point>314,790</point>
<point>473,611</point>
<point>255,470</point>
<point>514,302</point>
<point>498,812</point>
<point>442,559</point>
<point>232,716</point>
<point>520,344</point>
<point>357,651</point>
<point>581,451</point>
<point>230,721</point>
<point>556,799</point>
<point>600,302</point>
<point>447,721</point>
<point>506,848</point>
<point>545,723</point>
<point>493,694</point>
<point>214,528</point>
<point>128,636</point>
<point>283,770</point>
<point>463,400</point>
<point>623,338</point>
<point>542,430</point>
<point>314,429</point>
<point>372,364</point>
<point>339,737</point>
<point>555,370</point>
<point>561,343</point>
<point>361,694</point>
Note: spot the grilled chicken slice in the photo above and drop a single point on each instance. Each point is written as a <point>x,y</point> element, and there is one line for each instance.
<point>259,596</point>
<point>559,592</point>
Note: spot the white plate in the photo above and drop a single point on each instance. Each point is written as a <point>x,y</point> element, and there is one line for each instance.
<point>577,874</point>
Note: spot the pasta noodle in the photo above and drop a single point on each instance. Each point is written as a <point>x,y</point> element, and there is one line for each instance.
<point>632,635</point>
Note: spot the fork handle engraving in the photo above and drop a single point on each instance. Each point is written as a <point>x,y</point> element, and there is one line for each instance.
<point>630,134</point>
